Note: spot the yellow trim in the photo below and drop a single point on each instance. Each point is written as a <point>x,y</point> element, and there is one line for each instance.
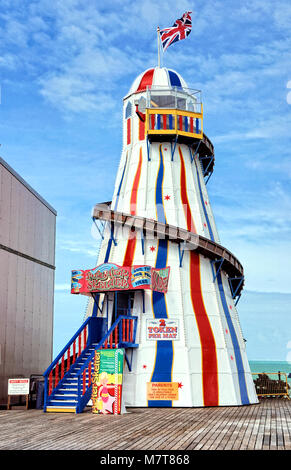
<point>175,113</point>
<point>162,131</point>
<point>194,134</point>
<point>61,410</point>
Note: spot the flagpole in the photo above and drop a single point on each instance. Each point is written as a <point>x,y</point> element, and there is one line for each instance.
<point>159,59</point>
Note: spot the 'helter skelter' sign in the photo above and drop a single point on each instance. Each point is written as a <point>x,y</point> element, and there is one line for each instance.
<point>111,277</point>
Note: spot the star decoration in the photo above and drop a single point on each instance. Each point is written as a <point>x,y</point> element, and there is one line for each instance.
<point>206,203</point>
<point>144,366</point>
<point>166,149</point>
<point>152,248</point>
<point>230,307</point>
<point>231,357</point>
<point>108,405</point>
<point>180,385</point>
<point>226,331</point>
<point>167,197</point>
<point>204,225</point>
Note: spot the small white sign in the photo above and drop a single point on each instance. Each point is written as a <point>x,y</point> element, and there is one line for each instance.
<point>163,329</point>
<point>18,386</point>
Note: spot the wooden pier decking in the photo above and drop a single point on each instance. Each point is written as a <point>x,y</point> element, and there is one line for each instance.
<point>265,426</point>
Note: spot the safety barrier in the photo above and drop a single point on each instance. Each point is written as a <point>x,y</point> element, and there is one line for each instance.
<point>121,334</point>
<point>174,121</point>
<point>67,357</point>
<point>271,384</point>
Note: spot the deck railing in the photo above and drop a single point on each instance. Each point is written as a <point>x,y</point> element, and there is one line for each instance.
<point>121,334</point>
<point>271,384</point>
<point>66,358</point>
<point>174,121</point>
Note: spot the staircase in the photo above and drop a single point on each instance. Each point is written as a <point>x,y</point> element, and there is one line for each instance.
<point>68,380</point>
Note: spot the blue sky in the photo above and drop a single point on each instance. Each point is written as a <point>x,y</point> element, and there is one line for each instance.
<point>65,67</point>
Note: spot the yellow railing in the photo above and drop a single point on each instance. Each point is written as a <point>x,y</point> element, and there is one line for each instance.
<point>174,121</point>
<point>271,386</point>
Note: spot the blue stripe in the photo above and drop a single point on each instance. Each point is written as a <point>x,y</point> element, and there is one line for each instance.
<point>174,79</point>
<point>115,207</point>
<point>164,357</point>
<point>197,126</point>
<point>158,121</point>
<point>161,216</point>
<point>238,358</point>
<point>203,205</point>
<point>120,184</point>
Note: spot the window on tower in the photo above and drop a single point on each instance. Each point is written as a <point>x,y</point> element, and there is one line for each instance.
<point>128,110</point>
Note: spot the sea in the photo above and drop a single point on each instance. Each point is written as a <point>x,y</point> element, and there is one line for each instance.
<point>272,366</point>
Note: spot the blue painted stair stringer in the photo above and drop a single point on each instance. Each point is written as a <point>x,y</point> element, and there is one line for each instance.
<point>65,395</point>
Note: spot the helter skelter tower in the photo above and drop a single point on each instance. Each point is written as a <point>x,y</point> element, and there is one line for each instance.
<point>160,216</point>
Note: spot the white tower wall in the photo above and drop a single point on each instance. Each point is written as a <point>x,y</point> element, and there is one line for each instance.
<point>208,360</point>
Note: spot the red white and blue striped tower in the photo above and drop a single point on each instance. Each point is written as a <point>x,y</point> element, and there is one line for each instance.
<point>165,161</point>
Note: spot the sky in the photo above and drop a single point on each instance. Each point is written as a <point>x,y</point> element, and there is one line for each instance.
<point>65,67</point>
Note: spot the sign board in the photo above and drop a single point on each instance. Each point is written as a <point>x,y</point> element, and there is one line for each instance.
<point>162,391</point>
<point>111,277</point>
<point>18,386</point>
<point>107,381</point>
<point>162,329</point>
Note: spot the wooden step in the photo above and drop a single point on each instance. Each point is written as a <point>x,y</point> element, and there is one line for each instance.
<point>60,409</point>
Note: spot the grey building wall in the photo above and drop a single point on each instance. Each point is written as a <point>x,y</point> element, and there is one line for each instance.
<point>27,258</point>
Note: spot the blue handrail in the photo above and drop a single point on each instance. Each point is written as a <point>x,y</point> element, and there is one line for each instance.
<point>106,336</point>
<point>56,360</point>
<point>101,342</point>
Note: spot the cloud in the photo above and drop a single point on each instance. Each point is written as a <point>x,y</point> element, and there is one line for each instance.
<point>80,246</point>
<point>63,287</point>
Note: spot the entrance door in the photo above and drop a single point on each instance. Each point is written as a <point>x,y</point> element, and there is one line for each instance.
<point>123,304</point>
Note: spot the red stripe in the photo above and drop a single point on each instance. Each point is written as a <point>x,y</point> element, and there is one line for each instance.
<point>209,359</point>
<point>133,197</point>
<point>130,249</point>
<point>191,125</point>
<point>208,347</point>
<point>186,206</point>
<point>147,80</point>
<point>164,121</point>
<point>141,130</point>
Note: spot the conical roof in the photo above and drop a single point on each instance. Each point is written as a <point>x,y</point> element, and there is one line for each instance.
<point>157,77</point>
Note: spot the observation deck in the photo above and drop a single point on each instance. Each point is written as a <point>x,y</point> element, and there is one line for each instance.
<point>175,110</point>
<point>176,114</point>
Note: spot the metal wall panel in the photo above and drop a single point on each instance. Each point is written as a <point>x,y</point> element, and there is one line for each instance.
<point>27,228</point>
<point>26,224</point>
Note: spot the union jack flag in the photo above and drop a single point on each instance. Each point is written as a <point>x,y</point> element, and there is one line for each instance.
<point>180,29</point>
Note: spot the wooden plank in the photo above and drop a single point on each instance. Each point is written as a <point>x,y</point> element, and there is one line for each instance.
<point>210,435</point>
<point>246,424</point>
<point>227,432</point>
<point>262,426</point>
<point>187,427</point>
<point>249,431</point>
